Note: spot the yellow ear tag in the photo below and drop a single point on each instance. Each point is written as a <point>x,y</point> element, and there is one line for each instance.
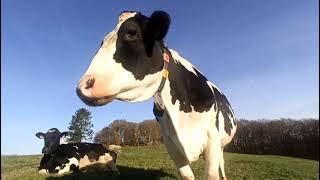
<point>165,73</point>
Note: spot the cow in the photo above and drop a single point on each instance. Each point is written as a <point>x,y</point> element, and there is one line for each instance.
<point>133,64</point>
<point>73,157</point>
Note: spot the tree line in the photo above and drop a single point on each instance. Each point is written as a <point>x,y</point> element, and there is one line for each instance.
<point>122,132</point>
<point>286,137</point>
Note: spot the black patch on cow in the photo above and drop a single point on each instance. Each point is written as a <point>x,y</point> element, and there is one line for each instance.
<point>217,123</point>
<point>135,39</point>
<point>74,168</point>
<point>189,89</point>
<point>113,155</point>
<point>222,106</point>
<point>45,162</point>
<point>93,151</point>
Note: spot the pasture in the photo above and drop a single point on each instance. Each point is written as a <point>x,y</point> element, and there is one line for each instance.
<point>139,163</point>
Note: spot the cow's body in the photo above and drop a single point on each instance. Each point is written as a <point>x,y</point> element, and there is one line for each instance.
<point>204,110</point>
<point>78,157</point>
<point>194,116</point>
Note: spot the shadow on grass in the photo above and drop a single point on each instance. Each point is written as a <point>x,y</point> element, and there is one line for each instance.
<point>126,173</point>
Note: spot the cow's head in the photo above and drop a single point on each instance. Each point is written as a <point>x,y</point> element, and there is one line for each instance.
<point>51,140</point>
<point>128,64</point>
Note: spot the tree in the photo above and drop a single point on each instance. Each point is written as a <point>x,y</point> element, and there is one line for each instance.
<point>80,126</point>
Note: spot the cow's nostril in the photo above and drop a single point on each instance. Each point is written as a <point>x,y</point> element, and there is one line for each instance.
<point>89,83</point>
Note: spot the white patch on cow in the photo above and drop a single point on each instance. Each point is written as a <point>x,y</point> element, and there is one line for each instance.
<point>106,158</point>
<point>126,15</point>
<point>83,162</point>
<point>76,147</point>
<point>66,168</point>
<point>104,161</point>
<point>63,140</point>
<point>43,171</point>
<point>186,132</point>
<point>51,130</point>
<point>211,84</point>
<point>141,90</point>
<point>221,122</point>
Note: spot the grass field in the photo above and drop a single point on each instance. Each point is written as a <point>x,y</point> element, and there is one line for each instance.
<point>150,163</point>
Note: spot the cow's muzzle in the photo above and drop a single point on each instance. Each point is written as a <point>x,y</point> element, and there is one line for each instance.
<point>91,91</point>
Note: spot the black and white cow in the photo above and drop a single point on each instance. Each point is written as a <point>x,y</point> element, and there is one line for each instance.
<point>133,64</point>
<point>61,158</point>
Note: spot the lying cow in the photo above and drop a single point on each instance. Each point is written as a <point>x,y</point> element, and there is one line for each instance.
<point>133,64</point>
<point>61,158</point>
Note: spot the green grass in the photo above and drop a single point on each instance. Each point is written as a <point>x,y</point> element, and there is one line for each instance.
<point>150,163</point>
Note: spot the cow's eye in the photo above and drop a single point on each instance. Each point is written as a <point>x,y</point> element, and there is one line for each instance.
<point>132,32</point>
<point>132,35</point>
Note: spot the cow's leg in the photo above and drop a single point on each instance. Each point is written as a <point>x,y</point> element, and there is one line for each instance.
<point>223,174</point>
<point>114,168</point>
<point>179,160</point>
<point>181,164</point>
<point>175,154</point>
<point>212,155</point>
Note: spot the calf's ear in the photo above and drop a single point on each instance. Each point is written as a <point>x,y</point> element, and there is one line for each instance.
<point>156,29</point>
<point>40,135</point>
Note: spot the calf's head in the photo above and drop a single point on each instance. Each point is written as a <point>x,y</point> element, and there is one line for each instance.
<point>128,63</point>
<point>51,140</point>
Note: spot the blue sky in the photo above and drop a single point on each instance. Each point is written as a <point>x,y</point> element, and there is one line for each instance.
<point>262,54</point>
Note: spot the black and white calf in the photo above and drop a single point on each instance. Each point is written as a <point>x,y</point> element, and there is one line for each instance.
<point>62,158</point>
<point>133,64</point>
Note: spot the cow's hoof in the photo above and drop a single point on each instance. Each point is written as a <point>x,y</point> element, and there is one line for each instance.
<point>223,178</point>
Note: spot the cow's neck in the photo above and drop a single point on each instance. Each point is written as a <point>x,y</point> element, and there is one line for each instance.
<point>185,88</point>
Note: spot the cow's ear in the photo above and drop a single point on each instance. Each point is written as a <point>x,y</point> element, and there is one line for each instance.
<point>40,135</point>
<point>156,29</point>
<point>158,24</point>
<point>64,134</point>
